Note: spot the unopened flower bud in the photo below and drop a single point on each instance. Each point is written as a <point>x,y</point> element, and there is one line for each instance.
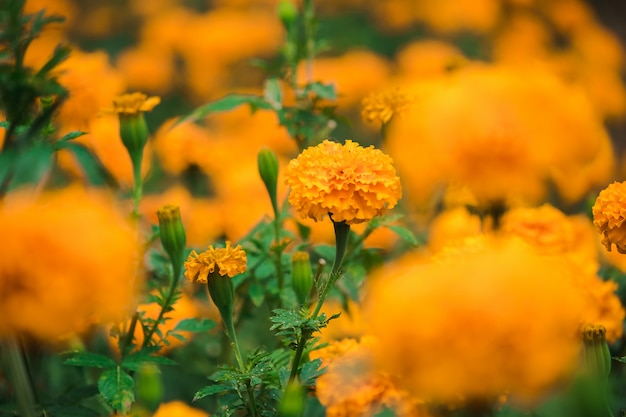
<point>172,233</point>
<point>287,12</point>
<point>134,132</point>
<point>301,276</point>
<point>293,402</point>
<point>268,170</point>
<point>596,354</point>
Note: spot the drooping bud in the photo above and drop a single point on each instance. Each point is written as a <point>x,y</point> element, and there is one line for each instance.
<point>301,276</point>
<point>268,170</point>
<point>172,234</point>
<point>293,402</point>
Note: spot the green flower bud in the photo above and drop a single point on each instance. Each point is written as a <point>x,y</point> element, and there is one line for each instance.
<point>293,402</point>
<point>172,234</point>
<point>222,293</point>
<point>268,169</point>
<point>301,276</point>
<point>149,386</point>
<point>287,12</point>
<point>134,132</point>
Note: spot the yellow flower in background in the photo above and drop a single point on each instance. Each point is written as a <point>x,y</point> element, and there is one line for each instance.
<point>381,107</point>
<point>609,214</point>
<point>86,261</point>
<point>351,388</point>
<point>496,318</point>
<point>229,261</point>
<point>132,103</point>
<point>348,182</point>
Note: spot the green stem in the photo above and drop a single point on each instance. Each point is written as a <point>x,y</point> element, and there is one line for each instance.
<point>229,326</point>
<point>342,232</point>
<point>279,257</point>
<point>309,20</point>
<point>137,182</point>
<point>168,300</point>
<point>14,360</point>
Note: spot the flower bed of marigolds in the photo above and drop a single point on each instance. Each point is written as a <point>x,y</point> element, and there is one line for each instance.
<point>306,208</point>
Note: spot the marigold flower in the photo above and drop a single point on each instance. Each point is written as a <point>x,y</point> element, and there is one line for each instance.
<point>229,261</point>
<point>351,388</point>
<point>132,103</point>
<point>493,319</point>
<point>609,214</point>
<point>348,182</point>
<point>381,107</point>
<point>86,258</point>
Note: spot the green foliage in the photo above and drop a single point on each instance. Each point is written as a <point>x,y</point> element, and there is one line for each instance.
<point>117,388</point>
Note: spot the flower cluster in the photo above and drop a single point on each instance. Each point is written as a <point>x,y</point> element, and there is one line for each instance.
<point>348,182</point>
<point>228,261</point>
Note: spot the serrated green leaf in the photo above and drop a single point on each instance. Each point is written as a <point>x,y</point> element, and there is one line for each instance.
<point>195,325</point>
<point>91,360</point>
<point>405,234</point>
<point>136,360</point>
<point>257,295</point>
<point>310,371</point>
<point>272,93</point>
<point>211,390</point>
<point>228,102</point>
<point>117,389</point>
<point>621,359</point>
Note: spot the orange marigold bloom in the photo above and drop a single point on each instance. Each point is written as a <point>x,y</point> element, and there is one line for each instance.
<point>86,258</point>
<point>381,107</point>
<point>609,214</point>
<point>496,318</point>
<point>351,388</point>
<point>229,261</point>
<point>179,409</point>
<point>348,182</point>
<point>132,103</point>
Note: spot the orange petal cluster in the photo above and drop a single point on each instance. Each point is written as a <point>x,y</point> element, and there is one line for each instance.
<point>133,103</point>
<point>229,261</point>
<point>348,182</point>
<point>609,214</point>
<point>69,258</point>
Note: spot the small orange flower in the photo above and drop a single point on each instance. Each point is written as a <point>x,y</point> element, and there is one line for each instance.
<point>381,107</point>
<point>133,103</point>
<point>348,182</point>
<point>609,214</point>
<point>228,261</point>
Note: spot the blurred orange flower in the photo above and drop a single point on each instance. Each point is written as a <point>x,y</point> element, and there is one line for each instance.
<point>348,182</point>
<point>178,409</point>
<point>489,318</point>
<point>87,259</point>
<point>131,103</point>
<point>350,388</point>
<point>381,107</point>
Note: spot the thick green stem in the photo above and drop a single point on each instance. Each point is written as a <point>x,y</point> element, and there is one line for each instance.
<point>342,232</point>
<point>138,182</point>
<point>14,360</point>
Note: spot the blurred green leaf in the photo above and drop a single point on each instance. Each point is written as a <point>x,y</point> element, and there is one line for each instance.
<point>70,411</point>
<point>273,94</point>
<point>63,141</point>
<point>136,360</point>
<point>405,234</point>
<point>226,103</point>
<point>323,91</point>
<point>92,360</point>
<point>211,390</point>
<point>117,389</point>
<point>195,325</point>
<point>257,295</point>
